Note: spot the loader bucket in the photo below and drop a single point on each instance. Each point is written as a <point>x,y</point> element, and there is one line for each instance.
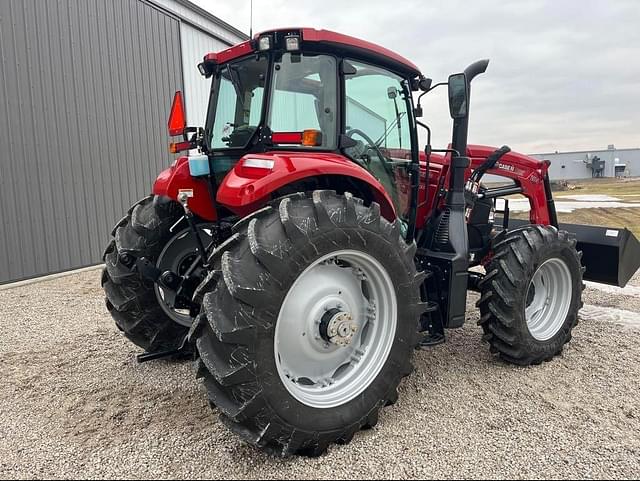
<point>611,255</point>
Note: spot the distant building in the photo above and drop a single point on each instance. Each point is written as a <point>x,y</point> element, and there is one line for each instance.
<point>586,164</point>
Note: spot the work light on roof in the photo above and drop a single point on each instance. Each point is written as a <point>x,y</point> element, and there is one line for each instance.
<point>264,43</point>
<point>292,43</point>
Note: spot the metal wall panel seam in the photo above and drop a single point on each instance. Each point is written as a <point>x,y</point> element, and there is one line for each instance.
<point>96,121</point>
<point>71,206</point>
<point>157,111</point>
<point>8,195</point>
<point>27,217</point>
<point>165,88</point>
<point>175,78</point>
<point>145,68</point>
<point>131,89</point>
<point>58,173</point>
<point>90,183</point>
<point>126,147</point>
<point>104,128</point>
<point>173,74</point>
<point>80,172</point>
<point>48,240</point>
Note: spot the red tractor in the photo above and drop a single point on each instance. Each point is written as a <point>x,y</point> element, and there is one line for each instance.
<point>312,245</point>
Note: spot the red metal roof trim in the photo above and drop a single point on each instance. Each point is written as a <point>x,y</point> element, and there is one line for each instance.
<point>314,35</point>
<point>231,53</point>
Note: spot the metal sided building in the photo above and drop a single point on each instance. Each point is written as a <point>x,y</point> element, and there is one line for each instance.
<point>86,88</point>
<point>610,162</point>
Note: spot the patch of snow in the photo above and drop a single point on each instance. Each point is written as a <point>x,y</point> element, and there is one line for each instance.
<point>522,205</point>
<point>609,314</point>
<point>589,198</point>
<point>622,291</point>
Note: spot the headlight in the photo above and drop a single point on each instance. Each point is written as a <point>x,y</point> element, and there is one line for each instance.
<point>264,43</point>
<point>292,43</point>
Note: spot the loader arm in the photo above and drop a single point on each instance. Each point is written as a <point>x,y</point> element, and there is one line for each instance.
<point>529,176</point>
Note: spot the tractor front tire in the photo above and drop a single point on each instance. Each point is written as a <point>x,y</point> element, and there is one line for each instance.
<point>308,322</point>
<point>130,298</point>
<point>531,294</point>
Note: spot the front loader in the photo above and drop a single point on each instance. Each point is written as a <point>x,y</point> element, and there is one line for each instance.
<point>311,245</point>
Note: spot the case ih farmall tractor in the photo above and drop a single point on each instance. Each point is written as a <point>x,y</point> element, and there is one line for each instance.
<point>311,246</point>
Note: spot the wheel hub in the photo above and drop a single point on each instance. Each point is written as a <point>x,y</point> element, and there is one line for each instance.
<point>338,327</point>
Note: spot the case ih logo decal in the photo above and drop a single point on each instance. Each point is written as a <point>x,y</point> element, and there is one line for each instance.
<point>508,167</point>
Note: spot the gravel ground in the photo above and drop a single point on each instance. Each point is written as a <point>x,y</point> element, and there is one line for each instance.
<point>74,403</point>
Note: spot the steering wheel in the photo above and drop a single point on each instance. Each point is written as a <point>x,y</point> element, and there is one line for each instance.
<point>371,144</point>
<point>239,136</point>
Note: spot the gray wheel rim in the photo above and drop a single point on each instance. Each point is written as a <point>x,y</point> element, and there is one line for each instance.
<point>357,288</point>
<point>176,256</point>
<point>548,299</point>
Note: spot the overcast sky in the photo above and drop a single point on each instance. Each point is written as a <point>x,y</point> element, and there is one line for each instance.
<point>564,75</point>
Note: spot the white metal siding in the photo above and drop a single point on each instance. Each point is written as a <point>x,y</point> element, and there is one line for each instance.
<point>571,165</point>
<point>361,118</point>
<point>198,17</point>
<point>195,45</point>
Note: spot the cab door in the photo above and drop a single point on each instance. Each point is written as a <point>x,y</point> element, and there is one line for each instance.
<point>377,120</point>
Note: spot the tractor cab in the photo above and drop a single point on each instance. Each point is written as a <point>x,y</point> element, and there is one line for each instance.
<point>315,91</point>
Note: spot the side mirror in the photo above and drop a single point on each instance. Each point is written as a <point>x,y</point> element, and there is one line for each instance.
<point>392,92</point>
<point>458,96</point>
<point>177,119</point>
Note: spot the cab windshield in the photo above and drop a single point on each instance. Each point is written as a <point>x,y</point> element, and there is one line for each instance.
<point>303,96</point>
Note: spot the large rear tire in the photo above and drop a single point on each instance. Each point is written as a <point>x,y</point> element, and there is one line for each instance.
<point>531,294</point>
<point>133,301</point>
<point>308,322</point>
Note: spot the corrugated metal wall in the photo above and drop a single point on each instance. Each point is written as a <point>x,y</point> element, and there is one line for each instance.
<point>86,89</point>
<point>195,45</point>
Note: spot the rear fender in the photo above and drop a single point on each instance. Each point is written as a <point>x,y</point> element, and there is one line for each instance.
<point>242,194</point>
<point>178,178</point>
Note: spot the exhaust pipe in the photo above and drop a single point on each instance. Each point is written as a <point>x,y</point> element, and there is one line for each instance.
<point>451,240</point>
<point>461,126</point>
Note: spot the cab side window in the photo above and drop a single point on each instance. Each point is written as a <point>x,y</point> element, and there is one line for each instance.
<point>304,96</point>
<point>377,120</point>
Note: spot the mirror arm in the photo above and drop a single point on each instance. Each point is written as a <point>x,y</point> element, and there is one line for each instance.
<point>418,105</point>
<point>428,148</point>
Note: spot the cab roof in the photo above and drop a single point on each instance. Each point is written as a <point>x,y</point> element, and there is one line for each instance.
<point>325,40</point>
